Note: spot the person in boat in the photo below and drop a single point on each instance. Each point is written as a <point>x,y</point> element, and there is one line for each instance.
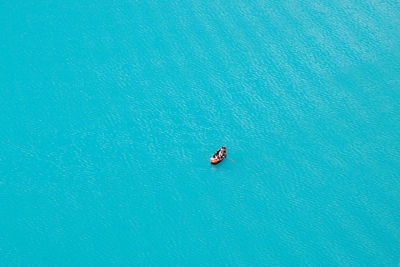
<point>222,152</point>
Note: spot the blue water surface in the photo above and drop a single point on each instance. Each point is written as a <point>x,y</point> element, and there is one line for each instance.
<point>110,110</point>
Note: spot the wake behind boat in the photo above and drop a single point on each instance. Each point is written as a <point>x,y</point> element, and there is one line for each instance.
<point>218,156</point>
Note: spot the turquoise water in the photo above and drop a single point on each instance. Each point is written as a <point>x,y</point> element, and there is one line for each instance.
<point>110,111</point>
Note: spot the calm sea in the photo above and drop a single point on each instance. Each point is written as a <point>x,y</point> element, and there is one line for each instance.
<point>110,110</point>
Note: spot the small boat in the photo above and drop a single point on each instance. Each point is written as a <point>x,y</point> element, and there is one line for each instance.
<point>218,156</point>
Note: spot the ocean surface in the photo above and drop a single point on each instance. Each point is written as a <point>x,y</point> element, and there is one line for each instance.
<point>110,110</point>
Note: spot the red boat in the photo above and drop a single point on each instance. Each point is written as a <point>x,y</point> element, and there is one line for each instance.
<point>219,155</point>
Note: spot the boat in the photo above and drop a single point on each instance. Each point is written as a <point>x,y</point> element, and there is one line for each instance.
<point>218,156</point>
